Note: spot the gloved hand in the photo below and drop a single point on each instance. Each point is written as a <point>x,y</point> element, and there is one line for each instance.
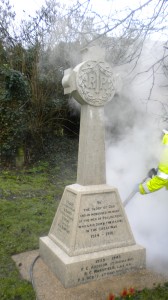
<point>152,172</point>
<point>136,188</point>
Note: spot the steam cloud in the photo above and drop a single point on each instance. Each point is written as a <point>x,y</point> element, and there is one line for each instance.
<point>133,144</point>
<point>134,123</point>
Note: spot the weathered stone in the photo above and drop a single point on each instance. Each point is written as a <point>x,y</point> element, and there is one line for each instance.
<point>74,270</point>
<point>90,237</point>
<point>94,213</point>
<point>91,155</point>
<point>94,82</point>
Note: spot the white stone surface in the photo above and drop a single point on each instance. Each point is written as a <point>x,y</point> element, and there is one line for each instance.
<point>72,271</point>
<point>90,237</point>
<point>91,154</point>
<point>90,219</point>
<point>95,82</point>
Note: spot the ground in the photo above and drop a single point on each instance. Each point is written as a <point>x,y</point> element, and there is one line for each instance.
<point>48,287</point>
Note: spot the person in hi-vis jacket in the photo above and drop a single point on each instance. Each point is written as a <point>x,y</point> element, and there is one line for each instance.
<point>158,178</point>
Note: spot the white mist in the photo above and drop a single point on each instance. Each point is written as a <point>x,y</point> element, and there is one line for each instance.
<point>133,145</point>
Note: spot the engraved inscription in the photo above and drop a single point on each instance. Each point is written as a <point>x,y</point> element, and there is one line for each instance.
<point>105,267</point>
<point>95,82</point>
<point>67,215</point>
<point>62,227</point>
<point>101,222</point>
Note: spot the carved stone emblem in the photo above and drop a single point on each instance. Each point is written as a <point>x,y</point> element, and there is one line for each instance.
<point>95,82</point>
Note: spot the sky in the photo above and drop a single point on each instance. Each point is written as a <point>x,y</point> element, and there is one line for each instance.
<point>32,5</point>
<point>107,5</point>
<point>25,8</point>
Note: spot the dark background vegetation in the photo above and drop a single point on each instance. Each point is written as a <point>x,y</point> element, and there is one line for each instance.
<point>34,55</point>
<point>33,108</point>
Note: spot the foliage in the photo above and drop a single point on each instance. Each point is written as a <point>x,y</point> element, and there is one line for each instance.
<point>7,16</point>
<point>158,292</point>
<point>32,104</point>
<point>48,106</point>
<point>14,98</point>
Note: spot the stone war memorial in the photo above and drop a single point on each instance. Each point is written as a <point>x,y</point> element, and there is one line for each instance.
<point>90,237</point>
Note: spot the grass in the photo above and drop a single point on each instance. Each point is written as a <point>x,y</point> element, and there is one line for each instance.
<point>25,213</point>
<point>28,202</point>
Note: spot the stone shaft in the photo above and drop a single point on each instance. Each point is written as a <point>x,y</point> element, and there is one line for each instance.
<point>91,154</point>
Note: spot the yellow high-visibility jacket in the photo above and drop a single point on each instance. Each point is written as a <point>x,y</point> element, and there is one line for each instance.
<point>161,179</point>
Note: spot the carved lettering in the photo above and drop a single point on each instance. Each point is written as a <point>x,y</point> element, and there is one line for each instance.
<point>101,218</point>
<point>65,218</point>
<point>91,81</point>
<point>103,82</point>
<point>109,266</point>
<point>95,83</point>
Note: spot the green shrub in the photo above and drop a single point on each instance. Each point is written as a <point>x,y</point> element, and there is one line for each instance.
<point>14,100</point>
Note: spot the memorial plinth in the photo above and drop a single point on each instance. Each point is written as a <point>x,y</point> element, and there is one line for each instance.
<point>90,237</point>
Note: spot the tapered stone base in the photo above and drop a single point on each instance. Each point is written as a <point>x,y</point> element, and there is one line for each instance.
<point>90,237</point>
<point>72,271</point>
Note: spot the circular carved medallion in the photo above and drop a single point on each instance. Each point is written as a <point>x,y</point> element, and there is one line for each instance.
<point>95,82</point>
